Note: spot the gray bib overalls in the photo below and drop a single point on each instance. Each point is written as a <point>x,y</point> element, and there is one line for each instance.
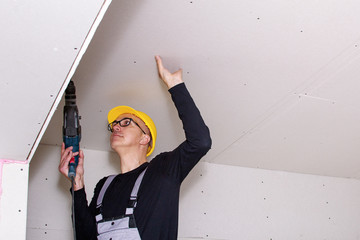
<point>123,227</point>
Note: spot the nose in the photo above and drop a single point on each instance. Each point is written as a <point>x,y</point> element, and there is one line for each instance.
<point>116,127</point>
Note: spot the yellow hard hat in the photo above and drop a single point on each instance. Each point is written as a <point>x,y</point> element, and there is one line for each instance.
<point>117,111</point>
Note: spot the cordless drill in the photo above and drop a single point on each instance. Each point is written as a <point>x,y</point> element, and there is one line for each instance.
<point>71,127</point>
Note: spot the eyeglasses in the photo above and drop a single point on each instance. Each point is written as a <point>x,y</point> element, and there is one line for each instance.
<point>123,123</point>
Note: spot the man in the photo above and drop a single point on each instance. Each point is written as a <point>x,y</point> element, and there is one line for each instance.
<point>142,201</point>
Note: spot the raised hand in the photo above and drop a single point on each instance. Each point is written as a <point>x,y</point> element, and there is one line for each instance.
<point>170,79</point>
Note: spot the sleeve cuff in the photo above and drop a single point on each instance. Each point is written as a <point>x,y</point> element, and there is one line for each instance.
<point>177,87</point>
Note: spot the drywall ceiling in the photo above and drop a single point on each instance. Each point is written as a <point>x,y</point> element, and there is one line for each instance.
<point>276,81</point>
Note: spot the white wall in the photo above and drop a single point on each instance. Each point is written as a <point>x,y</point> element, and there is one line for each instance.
<point>217,202</point>
<point>49,205</point>
<point>13,199</point>
<point>241,203</point>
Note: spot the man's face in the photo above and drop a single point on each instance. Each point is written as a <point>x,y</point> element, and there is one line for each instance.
<point>129,135</point>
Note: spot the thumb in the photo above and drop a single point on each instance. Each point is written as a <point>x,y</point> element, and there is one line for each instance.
<point>178,74</point>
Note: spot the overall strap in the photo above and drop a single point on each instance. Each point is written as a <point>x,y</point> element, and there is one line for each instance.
<point>133,196</point>
<point>104,188</point>
<point>134,192</point>
<point>99,216</point>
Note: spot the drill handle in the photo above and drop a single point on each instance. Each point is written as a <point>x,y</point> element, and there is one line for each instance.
<point>74,142</point>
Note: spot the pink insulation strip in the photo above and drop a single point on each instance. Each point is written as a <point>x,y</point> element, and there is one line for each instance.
<point>7,161</point>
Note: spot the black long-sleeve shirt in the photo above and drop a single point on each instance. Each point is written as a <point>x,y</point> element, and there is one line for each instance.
<point>156,213</point>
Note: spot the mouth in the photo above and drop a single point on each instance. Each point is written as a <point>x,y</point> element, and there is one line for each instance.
<point>117,135</point>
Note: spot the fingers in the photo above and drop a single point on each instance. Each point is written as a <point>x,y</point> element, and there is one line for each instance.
<point>81,155</point>
<point>66,156</point>
<point>81,159</point>
<point>160,66</point>
<point>62,148</point>
<point>79,179</point>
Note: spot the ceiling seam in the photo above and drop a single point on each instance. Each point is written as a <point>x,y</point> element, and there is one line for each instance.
<point>289,100</point>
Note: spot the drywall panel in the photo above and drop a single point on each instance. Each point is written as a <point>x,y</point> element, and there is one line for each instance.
<point>226,202</point>
<point>217,201</point>
<point>314,130</point>
<point>13,199</point>
<point>310,135</point>
<point>40,43</point>
<point>243,61</point>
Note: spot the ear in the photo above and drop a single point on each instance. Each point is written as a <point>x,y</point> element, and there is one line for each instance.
<point>145,139</point>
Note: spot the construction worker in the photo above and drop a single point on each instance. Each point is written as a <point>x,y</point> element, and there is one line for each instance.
<point>142,201</point>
